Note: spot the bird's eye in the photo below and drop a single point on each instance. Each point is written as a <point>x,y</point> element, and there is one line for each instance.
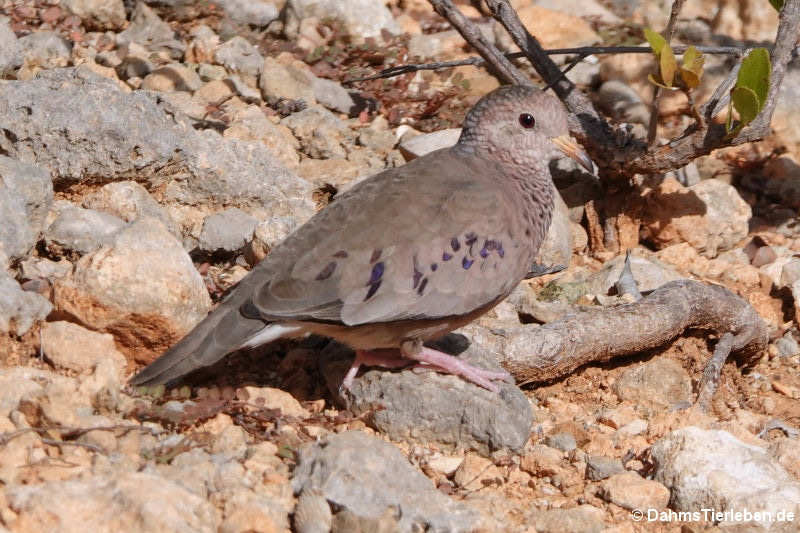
<point>527,120</point>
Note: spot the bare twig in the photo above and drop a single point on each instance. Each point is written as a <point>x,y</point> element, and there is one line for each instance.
<point>776,423</point>
<point>543,353</point>
<point>722,93</point>
<point>602,50</point>
<point>581,51</point>
<point>652,130</point>
<point>505,69</point>
<point>88,446</point>
<point>73,433</point>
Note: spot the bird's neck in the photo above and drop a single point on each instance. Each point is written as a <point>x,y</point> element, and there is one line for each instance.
<point>536,193</point>
<point>531,186</point>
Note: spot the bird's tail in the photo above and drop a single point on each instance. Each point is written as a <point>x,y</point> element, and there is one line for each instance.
<point>224,330</point>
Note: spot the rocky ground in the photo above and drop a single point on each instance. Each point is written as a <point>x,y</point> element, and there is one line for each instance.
<point>152,152</point>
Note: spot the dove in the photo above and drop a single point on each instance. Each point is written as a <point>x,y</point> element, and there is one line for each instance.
<point>405,256</point>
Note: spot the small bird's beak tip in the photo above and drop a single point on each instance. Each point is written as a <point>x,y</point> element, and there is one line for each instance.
<point>572,149</point>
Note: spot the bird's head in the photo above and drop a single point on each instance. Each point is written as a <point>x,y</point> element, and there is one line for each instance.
<point>521,126</point>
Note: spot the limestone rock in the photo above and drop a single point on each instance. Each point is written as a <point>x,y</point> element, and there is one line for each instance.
<point>361,18</point>
<point>713,469</point>
<point>70,346</point>
<point>711,216</point>
<point>26,194</point>
<point>142,288</point>
<point>139,501</point>
<point>365,475</point>
<point>98,14</point>
<point>19,309</point>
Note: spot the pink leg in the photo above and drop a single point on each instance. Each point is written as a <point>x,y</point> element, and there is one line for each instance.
<point>387,358</point>
<point>453,365</point>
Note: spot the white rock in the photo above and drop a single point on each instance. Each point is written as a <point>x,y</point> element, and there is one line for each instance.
<point>98,14</point>
<point>361,18</point>
<point>254,12</point>
<point>286,81</point>
<point>445,464</point>
<point>10,57</point>
<point>129,502</point>
<point>228,230</point>
<point>143,287</point>
<point>420,145</point>
<point>80,230</point>
<point>238,55</point>
<point>128,200</point>
<point>68,345</point>
<point>273,399</point>
<point>19,309</point>
<point>713,469</point>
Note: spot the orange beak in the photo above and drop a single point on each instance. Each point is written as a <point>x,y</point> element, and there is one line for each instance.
<point>572,149</point>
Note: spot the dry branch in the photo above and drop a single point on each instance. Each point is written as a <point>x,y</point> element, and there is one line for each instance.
<point>581,52</point>
<point>602,334</point>
<point>504,68</point>
<point>69,433</point>
<point>598,137</point>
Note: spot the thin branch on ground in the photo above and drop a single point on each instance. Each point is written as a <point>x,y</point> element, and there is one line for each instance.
<point>79,444</point>
<point>600,334</point>
<point>652,129</point>
<point>776,423</point>
<point>68,433</point>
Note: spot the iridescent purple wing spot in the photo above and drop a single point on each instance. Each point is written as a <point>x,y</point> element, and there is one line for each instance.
<point>466,263</point>
<point>377,274</point>
<point>373,288</point>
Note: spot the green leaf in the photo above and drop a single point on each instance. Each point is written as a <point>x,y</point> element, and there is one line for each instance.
<point>752,85</point>
<point>657,81</point>
<point>655,39</point>
<point>746,103</point>
<point>692,68</point>
<point>666,59</point>
<point>777,4</point>
<point>754,74</point>
<point>668,65</point>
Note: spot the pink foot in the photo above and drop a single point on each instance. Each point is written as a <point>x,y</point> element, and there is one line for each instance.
<point>386,358</point>
<point>453,365</point>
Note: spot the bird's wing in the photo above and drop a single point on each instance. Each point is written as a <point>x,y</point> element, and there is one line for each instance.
<point>434,238</point>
